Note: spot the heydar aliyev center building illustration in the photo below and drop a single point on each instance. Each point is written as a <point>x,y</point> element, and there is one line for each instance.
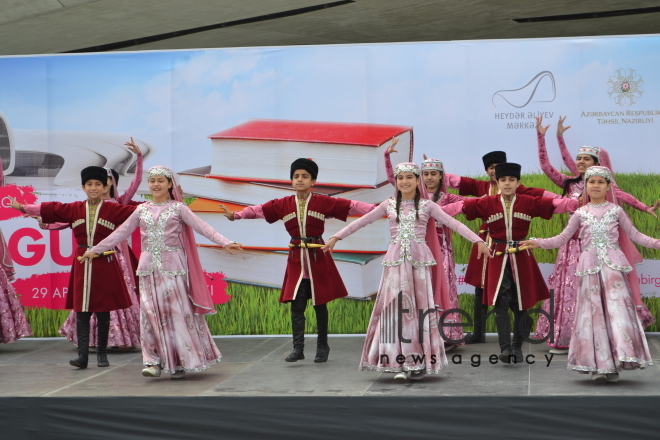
<point>54,158</point>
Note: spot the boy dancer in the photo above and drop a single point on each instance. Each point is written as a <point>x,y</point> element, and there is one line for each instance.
<point>97,286</point>
<point>476,268</point>
<point>511,280</point>
<point>310,273</point>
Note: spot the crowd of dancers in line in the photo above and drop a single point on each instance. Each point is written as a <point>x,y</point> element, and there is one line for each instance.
<point>159,302</point>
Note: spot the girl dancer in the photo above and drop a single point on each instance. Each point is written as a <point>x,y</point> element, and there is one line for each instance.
<point>608,335</point>
<point>124,323</point>
<point>563,279</point>
<point>444,273</point>
<point>13,324</point>
<point>398,339</point>
<point>175,337</point>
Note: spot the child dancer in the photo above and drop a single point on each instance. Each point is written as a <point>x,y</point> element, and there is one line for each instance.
<point>608,335</point>
<point>13,324</point>
<point>444,273</point>
<point>474,274</point>
<point>124,323</point>
<point>563,279</point>
<point>309,274</point>
<point>98,287</point>
<point>512,280</point>
<point>398,339</point>
<point>175,337</point>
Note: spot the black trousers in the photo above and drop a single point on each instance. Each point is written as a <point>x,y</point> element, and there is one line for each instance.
<point>507,299</point>
<point>298,306</point>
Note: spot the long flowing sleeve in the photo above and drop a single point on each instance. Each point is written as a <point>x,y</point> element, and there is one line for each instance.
<point>629,199</point>
<point>453,224</point>
<point>452,180</point>
<point>201,227</point>
<point>135,183</point>
<point>250,212</point>
<point>629,228</point>
<point>563,238</point>
<point>566,156</point>
<point>453,209</point>
<point>550,171</point>
<point>363,221</point>
<point>388,168</point>
<point>564,205</point>
<point>360,208</point>
<point>121,233</point>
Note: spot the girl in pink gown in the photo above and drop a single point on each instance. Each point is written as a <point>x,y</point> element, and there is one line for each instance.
<point>608,335</point>
<point>563,279</point>
<point>444,273</point>
<point>174,297</point>
<point>13,324</point>
<point>399,338</point>
<point>124,323</point>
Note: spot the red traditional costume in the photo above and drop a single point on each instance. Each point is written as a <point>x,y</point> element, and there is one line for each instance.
<point>97,286</point>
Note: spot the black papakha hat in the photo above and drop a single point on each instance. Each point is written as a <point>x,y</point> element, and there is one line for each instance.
<point>305,164</point>
<point>494,157</point>
<point>507,169</point>
<point>96,173</point>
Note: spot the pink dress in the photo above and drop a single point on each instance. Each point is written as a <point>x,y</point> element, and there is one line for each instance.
<point>124,323</point>
<point>608,335</point>
<point>447,267</point>
<point>563,279</point>
<point>172,335</point>
<point>13,324</point>
<point>395,340</point>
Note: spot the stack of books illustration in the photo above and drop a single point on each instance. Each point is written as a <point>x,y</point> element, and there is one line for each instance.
<point>250,165</point>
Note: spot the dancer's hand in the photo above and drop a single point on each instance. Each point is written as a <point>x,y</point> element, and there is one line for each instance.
<point>132,146</point>
<point>391,148</point>
<point>227,212</point>
<point>482,249</point>
<point>531,244</point>
<point>89,255</point>
<point>652,209</point>
<point>14,204</point>
<point>539,125</point>
<point>560,126</point>
<point>330,244</point>
<point>230,246</point>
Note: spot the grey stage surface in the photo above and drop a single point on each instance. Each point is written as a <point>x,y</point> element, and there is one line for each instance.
<point>254,366</point>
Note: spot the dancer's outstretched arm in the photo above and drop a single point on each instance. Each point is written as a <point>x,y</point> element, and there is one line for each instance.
<point>363,221</point>
<point>137,177</point>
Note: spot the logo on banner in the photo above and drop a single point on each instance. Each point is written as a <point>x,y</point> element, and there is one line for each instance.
<point>541,88</point>
<point>625,87</point>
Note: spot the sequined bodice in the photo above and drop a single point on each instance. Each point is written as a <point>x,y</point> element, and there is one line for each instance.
<point>155,236</point>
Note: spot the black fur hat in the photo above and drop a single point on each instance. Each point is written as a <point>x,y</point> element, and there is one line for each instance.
<point>96,173</point>
<point>507,169</point>
<point>305,164</point>
<point>494,157</point>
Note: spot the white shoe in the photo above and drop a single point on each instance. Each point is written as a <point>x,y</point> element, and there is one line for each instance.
<point>151,371</point>
<point>401,376</point>
<point>596,377</point>
<point>449,347</point>
<point>417,375</point>
<point>180,374</point>
<point>612,377</point>
<point>559,351</point>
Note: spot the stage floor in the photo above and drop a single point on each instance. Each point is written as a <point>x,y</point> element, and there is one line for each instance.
<point>254,366</point>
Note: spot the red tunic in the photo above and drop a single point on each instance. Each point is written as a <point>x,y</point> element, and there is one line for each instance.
<point>474,274</point>
<point>324,277</point>
<point>531,287</point>
<point>97,286</point>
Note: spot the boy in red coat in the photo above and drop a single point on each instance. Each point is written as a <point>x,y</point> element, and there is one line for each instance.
<point>310,273</point>
<point>98,286</point>
<point>511,280</point>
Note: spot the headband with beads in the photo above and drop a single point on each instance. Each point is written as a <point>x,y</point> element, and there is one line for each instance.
<point>433,164</point>
<point>407,167</point>
<point>603,172</point>
<point>159,170</point>
<point>592,151</point>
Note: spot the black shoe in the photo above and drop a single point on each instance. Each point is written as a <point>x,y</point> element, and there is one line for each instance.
<point>517,355</point>
<point>322,352</point>
<point>506,356</point>
<point>103,329</point>
<point>296,355</point>
<point>82,332</point>
<point>474,338</point>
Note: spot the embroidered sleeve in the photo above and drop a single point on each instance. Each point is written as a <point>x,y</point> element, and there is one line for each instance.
<point>550,171</point>
<point>566,156</point>
<point>201,227</point>
<point>629,199</point>
<point>135,183</point>
<point>388,167</point>
<point>634,234</point>
<point>360,208</point>
<point>363,221</point>
<point>438,214</point>
<point>250,212</point>
<point>564,237</point>
<point>120,234</point>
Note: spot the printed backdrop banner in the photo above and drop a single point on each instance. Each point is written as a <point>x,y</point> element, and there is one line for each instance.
<point>225,120</point>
